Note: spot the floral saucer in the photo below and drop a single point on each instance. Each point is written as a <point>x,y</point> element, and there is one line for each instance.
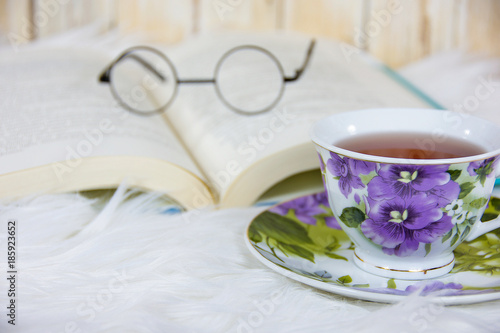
<point>303,241</point>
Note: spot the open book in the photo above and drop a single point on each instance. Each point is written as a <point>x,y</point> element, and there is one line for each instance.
<point>62,130</point>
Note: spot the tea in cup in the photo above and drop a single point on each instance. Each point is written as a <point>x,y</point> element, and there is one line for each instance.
<point>408,185</point>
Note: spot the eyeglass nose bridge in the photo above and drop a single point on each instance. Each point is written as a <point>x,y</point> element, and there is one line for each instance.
<point>216,82</point>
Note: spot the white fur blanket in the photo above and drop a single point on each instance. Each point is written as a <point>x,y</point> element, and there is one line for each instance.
<point>129,266</point>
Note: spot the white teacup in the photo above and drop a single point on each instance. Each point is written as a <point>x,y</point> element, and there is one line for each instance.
<point>406,215</point>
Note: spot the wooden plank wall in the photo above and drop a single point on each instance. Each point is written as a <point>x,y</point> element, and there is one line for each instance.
<point>395,31</point>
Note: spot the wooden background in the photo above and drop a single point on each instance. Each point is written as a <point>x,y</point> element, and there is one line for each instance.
<point>395,31</point>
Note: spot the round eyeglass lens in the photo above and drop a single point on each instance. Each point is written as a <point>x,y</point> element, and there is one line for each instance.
<point>144,81</point>
<point>249,80</point>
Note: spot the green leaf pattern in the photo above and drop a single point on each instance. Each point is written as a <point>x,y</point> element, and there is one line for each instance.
<point>278,237</point>
<point>294,238</point>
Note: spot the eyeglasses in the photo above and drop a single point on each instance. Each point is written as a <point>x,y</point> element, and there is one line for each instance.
<point>248,79</point>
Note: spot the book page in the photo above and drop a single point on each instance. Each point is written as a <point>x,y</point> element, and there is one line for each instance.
<point>52,108</point>
<point>227,143</point>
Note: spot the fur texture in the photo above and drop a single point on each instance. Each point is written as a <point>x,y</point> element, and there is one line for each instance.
<point>131,267</point>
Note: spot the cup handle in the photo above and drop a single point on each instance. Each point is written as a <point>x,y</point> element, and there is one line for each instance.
<point>485,227</point>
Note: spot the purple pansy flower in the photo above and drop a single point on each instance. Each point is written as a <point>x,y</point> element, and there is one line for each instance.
<point>436,288</point>
<point>357,198</point>
<point>347,171</point>
<point>305,208</point>
<point>485,166</point>
<point>483,169</point>
<point>401,225</point>
<point>322,199</point>
<point>426,288</point>
<point>406,180</point>
<point>362,167</point>
<point>446,193</point>
<point>332,222</point>
<point>321,163</point>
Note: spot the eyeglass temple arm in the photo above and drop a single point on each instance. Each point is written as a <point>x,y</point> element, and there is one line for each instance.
<point>105,75</point>
<point>299,71</point>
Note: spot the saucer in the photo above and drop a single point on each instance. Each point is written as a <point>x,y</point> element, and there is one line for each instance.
<point>302,240</point>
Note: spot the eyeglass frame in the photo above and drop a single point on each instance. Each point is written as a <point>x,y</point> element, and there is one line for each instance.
<point>105,76</point>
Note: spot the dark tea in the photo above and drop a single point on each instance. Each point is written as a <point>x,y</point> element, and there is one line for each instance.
<point>410,145</point>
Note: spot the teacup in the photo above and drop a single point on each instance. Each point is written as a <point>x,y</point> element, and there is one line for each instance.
<point>407,215</point>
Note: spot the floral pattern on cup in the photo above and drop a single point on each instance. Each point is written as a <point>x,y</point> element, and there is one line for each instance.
<point>483,169</point>
<point>404,207</point>
<point>282,237</point>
